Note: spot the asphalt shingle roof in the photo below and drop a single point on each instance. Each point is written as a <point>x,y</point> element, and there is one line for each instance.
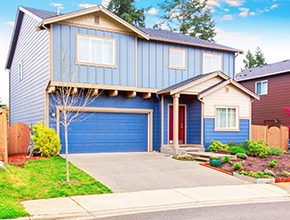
<point>179,37</point>
<point>177,85</point>
<point>150,32</point>
<point>41,13</point>
<point>261,71</point>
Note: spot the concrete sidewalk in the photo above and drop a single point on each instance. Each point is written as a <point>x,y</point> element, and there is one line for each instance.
<point>92,206</point>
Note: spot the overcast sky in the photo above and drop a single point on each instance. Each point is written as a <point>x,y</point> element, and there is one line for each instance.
<point>240,24</point>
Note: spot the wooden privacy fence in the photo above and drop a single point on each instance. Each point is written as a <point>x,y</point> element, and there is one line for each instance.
<point>18,138</point>
<point>275,136</point>
<point>3,135</point>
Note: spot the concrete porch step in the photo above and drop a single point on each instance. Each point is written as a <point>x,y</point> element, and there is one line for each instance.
<point>201,159</point>
<point>207,155</point>
<point>195,149</point>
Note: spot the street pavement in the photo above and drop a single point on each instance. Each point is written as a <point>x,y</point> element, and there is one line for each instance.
<point>121,204</point>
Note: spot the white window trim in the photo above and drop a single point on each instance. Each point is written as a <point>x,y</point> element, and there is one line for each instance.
<point>212,54</point>
<point>81,62</point>
<point>261,84</point>
<point>184,62</point>
<point>237,128</point>
<point>20,78</point>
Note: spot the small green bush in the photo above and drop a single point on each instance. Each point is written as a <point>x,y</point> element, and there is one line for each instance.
<point>255,148</point>
<point>227,159</point>
<point>269,172</point>
<point>242,155</point>
<point>45,140</point>
<point>183,157</point>
<point>273,163</point>
<point>232,143</point>
<point>216,145</point>
<point>275,151</point>
<point>236,149</point>
<point>238,166</point>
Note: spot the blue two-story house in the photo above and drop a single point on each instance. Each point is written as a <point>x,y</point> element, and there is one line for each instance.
<point>160,90</point>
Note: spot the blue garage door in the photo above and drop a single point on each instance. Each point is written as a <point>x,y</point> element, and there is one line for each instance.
<point>107,132</point>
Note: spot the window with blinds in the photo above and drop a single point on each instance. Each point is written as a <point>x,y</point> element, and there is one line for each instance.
<point>177,58</point>
<point>226,117</point>
<point>211,62</point>
<point>95,50</point>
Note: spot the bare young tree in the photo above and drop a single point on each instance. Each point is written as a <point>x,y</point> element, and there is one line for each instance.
<point>69,99</point>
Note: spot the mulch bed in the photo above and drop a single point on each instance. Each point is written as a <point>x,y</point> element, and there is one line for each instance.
<point>260,164</point>
<point>18,159</point>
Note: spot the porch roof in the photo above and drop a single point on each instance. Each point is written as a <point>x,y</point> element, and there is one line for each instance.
<point>181,87</point>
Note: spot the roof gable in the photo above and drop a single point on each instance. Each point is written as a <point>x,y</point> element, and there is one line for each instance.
<point>204,85</point>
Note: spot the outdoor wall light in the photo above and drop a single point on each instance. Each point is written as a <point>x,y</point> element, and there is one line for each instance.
<point>53,113</point>
<point>276,120</point>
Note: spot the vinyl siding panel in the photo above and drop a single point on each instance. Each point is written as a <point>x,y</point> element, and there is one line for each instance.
<point>153,60</point>
<point>224,136</point>
<point>27,97</point>
<point>64,38</point>
<point>270,106</point>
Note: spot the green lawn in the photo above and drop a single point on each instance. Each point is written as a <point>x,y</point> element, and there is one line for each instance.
<point>42,179</point>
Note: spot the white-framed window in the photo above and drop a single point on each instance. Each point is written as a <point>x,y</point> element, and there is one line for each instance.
<point>211,62</point>
<point>20,73</point>
<point>177,58</point>
<point>99,51</point>
<point>226,117</point>
<point>262,87</point>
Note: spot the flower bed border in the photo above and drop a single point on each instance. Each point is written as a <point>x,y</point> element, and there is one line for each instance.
<point>277,180</point>
<point>208,166</point>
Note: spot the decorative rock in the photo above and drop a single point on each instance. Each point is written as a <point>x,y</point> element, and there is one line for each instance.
<point>254,180</point>
<point>2,165</point>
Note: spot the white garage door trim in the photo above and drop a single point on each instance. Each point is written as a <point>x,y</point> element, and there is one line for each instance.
<point>114,110</point>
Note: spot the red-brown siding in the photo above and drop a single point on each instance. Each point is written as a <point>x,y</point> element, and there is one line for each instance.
<point>270,106</point>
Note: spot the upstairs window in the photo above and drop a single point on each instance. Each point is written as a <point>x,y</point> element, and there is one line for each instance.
<point>262,87</point>
<point>20,74</point>
<point>96,51</point>
<point>211,62</point>
<point>226,118</point>
<point>177,58</point>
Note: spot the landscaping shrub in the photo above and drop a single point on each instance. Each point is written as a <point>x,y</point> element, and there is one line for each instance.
<point>242,155</point>
<point>254,148</point>
<point>45,140</point>
<point>227,159</point>
<point>238,166</point>
<point>236,149</point>
<point>269,172</point>
<point>183,157</point>
<point>216,145</point>
<point>273,163</point>
<point>232,143</point>
<point>275,151</point>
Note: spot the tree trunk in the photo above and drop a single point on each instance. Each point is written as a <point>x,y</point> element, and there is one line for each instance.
<point>66,155</point>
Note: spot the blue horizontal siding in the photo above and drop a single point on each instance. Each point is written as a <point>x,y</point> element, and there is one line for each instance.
<point>224,136</point>
<point>121,101</point>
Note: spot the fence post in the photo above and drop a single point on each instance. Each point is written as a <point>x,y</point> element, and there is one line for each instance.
<point>3,125</point>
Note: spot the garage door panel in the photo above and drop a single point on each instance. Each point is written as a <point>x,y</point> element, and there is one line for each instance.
<point>108,132</point>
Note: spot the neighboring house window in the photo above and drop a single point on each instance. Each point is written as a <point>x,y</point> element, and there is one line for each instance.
<point>262,88</point>
<point>177,58</point>
<point>226,117</point>
<point>20,71</point>
<point>211,62</point>
<point>96,51</point>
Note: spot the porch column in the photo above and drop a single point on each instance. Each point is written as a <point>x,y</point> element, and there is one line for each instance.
<point>175,120</point>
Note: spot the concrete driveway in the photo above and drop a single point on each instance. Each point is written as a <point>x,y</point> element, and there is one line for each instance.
<point>127,172</point>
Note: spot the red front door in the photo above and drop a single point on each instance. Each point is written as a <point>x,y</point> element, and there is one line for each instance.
<point>181,124</point>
